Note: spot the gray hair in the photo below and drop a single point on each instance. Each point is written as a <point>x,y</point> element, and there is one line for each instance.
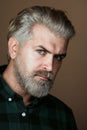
<point>56,20</point>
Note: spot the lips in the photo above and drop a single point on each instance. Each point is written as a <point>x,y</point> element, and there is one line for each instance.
<point>43,77</point>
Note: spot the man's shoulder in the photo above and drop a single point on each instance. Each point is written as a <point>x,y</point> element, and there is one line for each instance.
<point>55,102</point>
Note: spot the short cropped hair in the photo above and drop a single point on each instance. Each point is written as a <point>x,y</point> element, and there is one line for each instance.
<point>56,20</point>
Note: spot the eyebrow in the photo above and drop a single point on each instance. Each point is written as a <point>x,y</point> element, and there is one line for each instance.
<point>61,54</point>
<point>43,48</point>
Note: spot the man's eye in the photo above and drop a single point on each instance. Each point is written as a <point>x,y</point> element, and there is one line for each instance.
<point>60,57</point>
<point>41,52</point>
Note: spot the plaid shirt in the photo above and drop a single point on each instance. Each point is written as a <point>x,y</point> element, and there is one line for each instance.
<point>47,113</point>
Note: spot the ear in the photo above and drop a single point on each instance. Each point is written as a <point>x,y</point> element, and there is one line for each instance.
<point>13,47</point>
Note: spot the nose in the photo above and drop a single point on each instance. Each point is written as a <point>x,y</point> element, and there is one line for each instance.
<point>48,63</point>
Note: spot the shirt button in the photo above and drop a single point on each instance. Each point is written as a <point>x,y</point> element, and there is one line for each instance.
<point>23,114</point>
<point>9,99</point>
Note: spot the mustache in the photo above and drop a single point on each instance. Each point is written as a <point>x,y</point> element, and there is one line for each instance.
<point>46,74</point>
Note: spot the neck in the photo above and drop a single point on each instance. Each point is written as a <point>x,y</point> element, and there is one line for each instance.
<point>9,77</point>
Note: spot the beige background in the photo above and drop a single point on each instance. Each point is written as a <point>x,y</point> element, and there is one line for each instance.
<point>71,82</point>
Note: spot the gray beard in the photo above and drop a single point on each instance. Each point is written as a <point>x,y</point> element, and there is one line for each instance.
<point>36,88</point>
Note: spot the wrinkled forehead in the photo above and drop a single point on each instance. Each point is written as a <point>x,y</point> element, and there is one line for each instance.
<point>44,37</point>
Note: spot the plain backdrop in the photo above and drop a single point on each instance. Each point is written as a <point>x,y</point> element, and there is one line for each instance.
<point>71,83</point>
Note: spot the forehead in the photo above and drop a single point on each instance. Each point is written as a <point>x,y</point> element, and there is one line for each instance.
<point>42,35</point>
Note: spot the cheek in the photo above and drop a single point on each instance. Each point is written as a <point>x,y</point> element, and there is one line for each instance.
<point>32,63</point>
<point>56,68</point>
<point>31,60</point>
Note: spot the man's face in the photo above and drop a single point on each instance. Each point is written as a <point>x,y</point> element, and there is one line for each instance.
<point>38,61</point>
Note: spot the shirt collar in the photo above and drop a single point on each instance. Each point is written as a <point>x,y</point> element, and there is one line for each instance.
<point>9,94</point>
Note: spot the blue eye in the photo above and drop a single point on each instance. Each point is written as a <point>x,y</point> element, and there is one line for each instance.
<point>41,52</point>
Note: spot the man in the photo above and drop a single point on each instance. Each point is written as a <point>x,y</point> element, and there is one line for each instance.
<point>38,38</point>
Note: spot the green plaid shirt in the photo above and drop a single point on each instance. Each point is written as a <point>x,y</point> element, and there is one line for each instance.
<point>47,113</point>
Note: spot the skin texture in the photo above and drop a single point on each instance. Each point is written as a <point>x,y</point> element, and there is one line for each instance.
<point>44,52</point>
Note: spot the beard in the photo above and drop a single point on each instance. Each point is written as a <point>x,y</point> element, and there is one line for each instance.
<point>29,81</point>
